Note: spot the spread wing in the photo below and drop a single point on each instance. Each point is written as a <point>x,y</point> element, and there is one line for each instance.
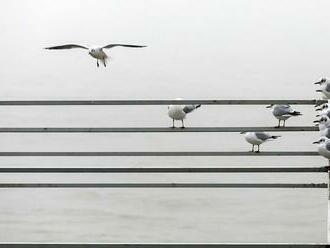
<point>68,46</point>
<point>123,45</point>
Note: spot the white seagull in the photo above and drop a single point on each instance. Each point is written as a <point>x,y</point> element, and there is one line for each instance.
<point>95,52</point>
<point>323,110</point>
<point>179,112</point>
<point>283,112</point>
<point>323,147</point>
<point>257,138</point>
<point>325,87</point>
<point>323,122</point>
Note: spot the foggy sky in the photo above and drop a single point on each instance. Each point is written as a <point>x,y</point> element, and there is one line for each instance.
<point>196,49</point>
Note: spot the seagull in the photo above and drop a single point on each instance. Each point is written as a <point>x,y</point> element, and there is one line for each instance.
<point>179,112</point>
<point>283,112</point>
<point>323,122</point>
<point>257,138</point>
<point>325,132</point>
<point>325,87</point>
<point>323,147</point>
<point>95,52</point>
<point>324,109</point>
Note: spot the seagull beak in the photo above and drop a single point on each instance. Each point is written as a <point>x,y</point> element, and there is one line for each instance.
<point>316,142</point>
<point>318,90</point>
<point>319,82</point>
<point>317,115</point>
<point>269,106</point>
<point>243,132</point>
<point>316,121</point>
<point>318,109</point>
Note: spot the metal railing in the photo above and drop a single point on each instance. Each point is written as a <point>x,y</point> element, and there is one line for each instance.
<point>279,169</point>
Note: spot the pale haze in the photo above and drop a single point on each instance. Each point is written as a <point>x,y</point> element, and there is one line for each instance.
<point>235,49</point>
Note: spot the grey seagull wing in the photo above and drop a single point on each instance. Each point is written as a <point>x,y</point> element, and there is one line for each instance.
<point>327,88</point>
<point>282,110</point>
<point>188,108</point>
<point>67,46</point>
<point>262,136</point>
<point>327,146</point>
<point>123,45</point>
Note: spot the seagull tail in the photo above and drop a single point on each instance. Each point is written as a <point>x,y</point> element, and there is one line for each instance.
<point>296,113</point>
<point>275,136</point>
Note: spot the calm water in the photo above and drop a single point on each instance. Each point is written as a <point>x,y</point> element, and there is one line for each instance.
<point>157,215</point>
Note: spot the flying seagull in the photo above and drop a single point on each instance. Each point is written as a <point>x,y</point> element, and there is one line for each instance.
<point>95,52</point>
<point>257,138</point>
<point>179,112</point>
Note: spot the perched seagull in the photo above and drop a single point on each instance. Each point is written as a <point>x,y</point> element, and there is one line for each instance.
<point>323,147</point>
<point>179,112</point>
<point>324,126</point>
<point>323,122</point>
<point>325,87</point>
<point>283,112</point>
<point>95,52</point>
<point>325,132</point>
<point>323,109</point>
<point>257,138</point>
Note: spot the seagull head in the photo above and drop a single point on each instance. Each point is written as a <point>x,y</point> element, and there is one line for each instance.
<point>324,120</point>
<point>322,81</point>
<point>322,107</point>
<point>322,140</point>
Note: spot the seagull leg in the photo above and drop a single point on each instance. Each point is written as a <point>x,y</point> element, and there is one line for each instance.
<point>173,124</point>
<point>182,124</point>
<point>97,63</point>
<point>252,148</point>
<point>104,63</point>
<point>279,123</point>
<point>258,148</point>
<point>283,123</point>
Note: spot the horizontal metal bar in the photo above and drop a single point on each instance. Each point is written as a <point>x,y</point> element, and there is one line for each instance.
<point>149,129</point>
<point>160,102</point>
<point>166,170</point>
<point>150,245</point>
<point>163,185</point>
<point>84,154</point>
